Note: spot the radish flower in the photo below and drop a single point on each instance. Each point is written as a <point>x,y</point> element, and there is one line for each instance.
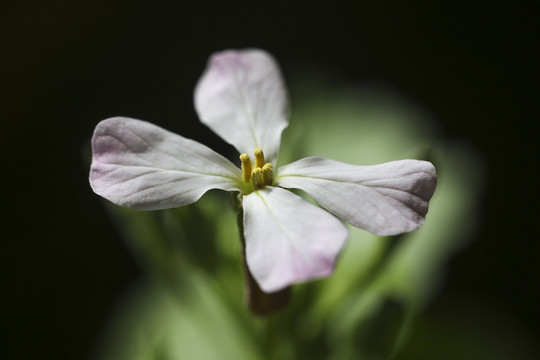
<point>241,96</point>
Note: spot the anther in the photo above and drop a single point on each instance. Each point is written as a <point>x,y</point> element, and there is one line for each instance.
<point>246,167</point>
<point>259,158</point>
<point>268,174</point>
<point>257,178</point>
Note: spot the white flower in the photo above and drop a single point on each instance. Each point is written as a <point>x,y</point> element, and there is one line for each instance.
<point>242,97</point>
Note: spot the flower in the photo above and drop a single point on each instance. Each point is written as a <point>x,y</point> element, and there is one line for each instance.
<point>241,96</point>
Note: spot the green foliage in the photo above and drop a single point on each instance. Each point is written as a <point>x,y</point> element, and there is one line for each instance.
<point>190,305</point>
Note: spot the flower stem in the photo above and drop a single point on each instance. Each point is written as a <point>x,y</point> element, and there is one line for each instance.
<point>259,302</point>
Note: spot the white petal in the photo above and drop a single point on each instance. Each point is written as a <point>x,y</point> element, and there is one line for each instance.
<point>289,240</point>
<point>385,199</point>
<point>142,166</point>
<point>242,97</point>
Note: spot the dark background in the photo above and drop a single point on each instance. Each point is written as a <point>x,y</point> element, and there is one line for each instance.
<point>66,65</point>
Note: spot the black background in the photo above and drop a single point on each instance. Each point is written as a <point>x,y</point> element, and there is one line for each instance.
<point>66,65</point>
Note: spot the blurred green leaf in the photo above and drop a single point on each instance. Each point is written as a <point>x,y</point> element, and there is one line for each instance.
<point>191,304</point>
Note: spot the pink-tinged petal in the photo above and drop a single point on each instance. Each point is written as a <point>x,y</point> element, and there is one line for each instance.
<point>242,97</point>
<point>142,166</point>
<point>385,199</point>
<point>289,240</point>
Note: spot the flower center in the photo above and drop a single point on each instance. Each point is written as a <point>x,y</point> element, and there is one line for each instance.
<point>260,173</point>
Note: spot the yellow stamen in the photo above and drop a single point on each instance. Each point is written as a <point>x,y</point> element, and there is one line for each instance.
<point>268,174</point>
<point>259,158</point>
<point>257,178</point>
<point>246,167</point>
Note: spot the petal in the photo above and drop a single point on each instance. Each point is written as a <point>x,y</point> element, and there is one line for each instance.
<point>385,199</point>
<point>289,240</point>
<point>142,166</point>
<point>242,97</point>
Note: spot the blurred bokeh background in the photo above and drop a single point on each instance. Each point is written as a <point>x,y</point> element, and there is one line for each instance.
<point>469,66</point>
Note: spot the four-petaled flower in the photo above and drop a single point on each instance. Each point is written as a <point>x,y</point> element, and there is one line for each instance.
<point>242,97</point>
